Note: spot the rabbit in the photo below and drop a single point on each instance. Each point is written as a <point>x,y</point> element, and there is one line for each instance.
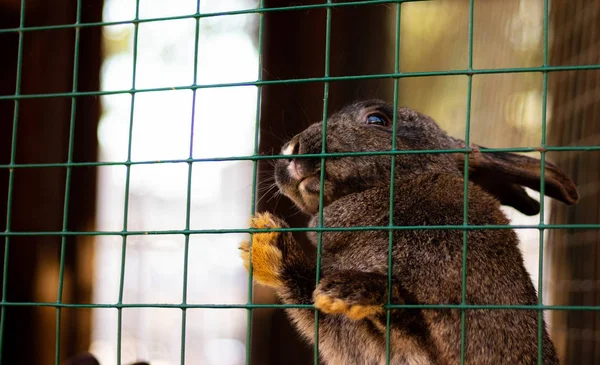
<point>427,263</point>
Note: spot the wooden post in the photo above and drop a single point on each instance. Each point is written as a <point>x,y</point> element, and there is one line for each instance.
<point>37,199</point>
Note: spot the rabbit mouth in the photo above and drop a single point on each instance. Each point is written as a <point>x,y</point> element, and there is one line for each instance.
<point>300,180</point>
<point>305,193</point>
<point>309,191</point>
<point>310,184</point>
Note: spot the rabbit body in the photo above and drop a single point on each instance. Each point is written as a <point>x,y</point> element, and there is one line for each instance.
<point>426,263</point>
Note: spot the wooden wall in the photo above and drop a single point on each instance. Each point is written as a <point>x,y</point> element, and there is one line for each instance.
<point>37,199</point>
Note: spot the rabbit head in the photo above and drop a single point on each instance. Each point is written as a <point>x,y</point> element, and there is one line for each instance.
<point>367,126</point>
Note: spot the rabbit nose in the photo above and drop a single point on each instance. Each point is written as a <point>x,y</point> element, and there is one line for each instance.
<point>291,148</point>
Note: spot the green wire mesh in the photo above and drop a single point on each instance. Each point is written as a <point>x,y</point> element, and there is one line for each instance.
<point>329,6</point>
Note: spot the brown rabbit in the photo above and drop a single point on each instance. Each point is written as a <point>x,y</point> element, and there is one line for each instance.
<point>427,263</point>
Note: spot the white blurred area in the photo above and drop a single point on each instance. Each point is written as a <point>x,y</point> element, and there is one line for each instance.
<point>224,122</point>
<point>530,239</point>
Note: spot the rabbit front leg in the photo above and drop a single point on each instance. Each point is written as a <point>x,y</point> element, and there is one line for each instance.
<point>361,297</point>
<point>356,294</point>
<point>278,262</point>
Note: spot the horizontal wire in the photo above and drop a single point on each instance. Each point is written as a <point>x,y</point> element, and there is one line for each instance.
<point>307,155</point>
<point>300,306</point>
<point>310,79</point>
<point>198,15</point>
<point>459,227</point>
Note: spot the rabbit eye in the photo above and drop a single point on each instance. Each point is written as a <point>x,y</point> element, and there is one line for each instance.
<point>376,119</point>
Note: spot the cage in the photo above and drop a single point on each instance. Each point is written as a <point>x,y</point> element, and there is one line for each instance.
<point>137,139</point>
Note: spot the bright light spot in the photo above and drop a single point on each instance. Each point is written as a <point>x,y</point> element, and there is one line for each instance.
<point>225,352</point>
<point>219,193</point>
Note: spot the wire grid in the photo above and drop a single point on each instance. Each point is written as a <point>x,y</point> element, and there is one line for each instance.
<point>326,79</point>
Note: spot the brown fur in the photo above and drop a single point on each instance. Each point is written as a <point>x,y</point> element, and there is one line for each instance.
<point>266,256</point>
<point>427,264</point>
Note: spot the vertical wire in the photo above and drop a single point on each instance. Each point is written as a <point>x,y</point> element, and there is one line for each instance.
<point>463,319</point>
<point>189,189</point>
<point>127,181</point>
<point>11,176</point>
<point>322,172</point>
<point>392,185</point>
<point>542,190</point>
<point>65,221</point>
<point>254,177</point>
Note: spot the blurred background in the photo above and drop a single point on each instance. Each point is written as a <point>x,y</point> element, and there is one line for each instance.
<point>169,120</point>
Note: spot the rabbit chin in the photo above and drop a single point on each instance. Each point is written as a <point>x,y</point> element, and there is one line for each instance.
<point>309,193</point>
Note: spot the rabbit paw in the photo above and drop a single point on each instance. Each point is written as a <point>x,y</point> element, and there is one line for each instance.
<point>348,295</point>
<point>267,258</point>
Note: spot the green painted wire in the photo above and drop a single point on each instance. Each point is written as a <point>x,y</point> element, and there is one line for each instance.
<point>322,174</point>
<point>127,183</point>
<point>463,314</point>
<point>65,222</point>
<point>199,15</point>
<point>314,155</point>
<point>11,178</point>
<point>542,190</point>
<point>301,229</point>
<point>388,342</point>
<point>312,80</point>
<point>188,204</point>
<point>299,306</point>
<point>254,180</point>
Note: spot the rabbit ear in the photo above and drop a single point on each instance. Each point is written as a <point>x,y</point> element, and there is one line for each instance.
<point>505,174</point>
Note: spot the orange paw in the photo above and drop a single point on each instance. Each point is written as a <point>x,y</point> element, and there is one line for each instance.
<point>328,304</point>
<point>267,259</point>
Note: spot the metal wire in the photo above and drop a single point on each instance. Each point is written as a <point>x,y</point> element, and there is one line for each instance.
<point>322,173</point>
<point>540,331</point>
<point>482,71</point>
<point>388,313</point>
<point>302,306</point>
<point>188,205</point>
<point>127,183</point>
<point>65,222</point>
<point>254,180</point>
<point>307,155</point>
<point>463,314</point>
